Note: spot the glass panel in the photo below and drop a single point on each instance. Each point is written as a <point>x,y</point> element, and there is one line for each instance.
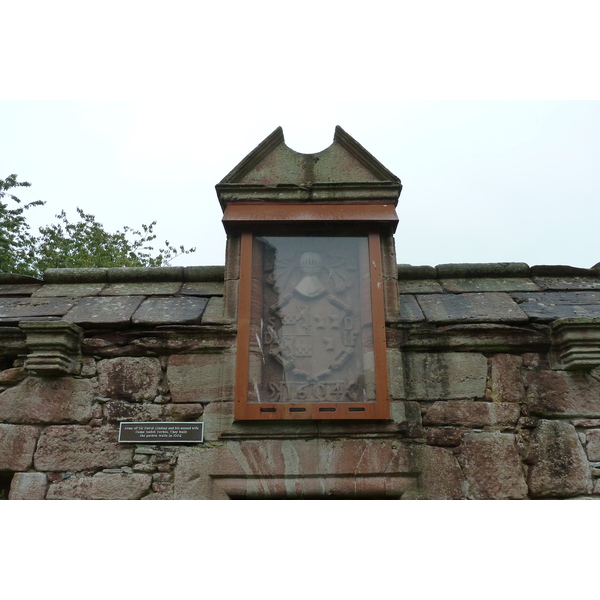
<point>311,334</point>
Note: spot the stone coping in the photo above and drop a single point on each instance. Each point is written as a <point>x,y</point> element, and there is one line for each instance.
<point>121,275</point>
<point>499,270</point>
<point>217,273</point>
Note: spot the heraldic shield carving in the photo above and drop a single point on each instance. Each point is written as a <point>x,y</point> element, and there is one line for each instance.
<point>311,329</point>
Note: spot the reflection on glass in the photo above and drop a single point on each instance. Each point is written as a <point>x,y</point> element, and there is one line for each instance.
<point>311,330</point>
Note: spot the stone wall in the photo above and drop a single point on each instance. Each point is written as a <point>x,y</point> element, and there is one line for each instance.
<point>494,391</point>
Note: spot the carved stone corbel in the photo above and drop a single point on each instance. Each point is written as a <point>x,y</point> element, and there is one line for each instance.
<point>54,347</point>
<point>575,343</point>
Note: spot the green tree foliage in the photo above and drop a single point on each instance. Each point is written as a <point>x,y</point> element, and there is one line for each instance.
<point>84,243</point>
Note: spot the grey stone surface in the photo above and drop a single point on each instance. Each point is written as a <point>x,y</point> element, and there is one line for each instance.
<point>547,306</point>
<point>28,486</point>
<point>69,290</point>
<point>48,400</point>
<point>411,272</point>
<point>204,288</point>
<point>210,273</point>
<point>102,486</point>
<point>558,464</point>
<point>571,283</point>
<point>78,448</point>
<point>75,276</point>
<point>444,375</point>
<point>419,286</point>
<point>17,443</point>
<point>99,311</point>
<point>492,466</point>
<point>144,274</point>
<point>488,284</point>
<point>410,312</point>
<point>142,288</point>
<point>466,270</point>
<point>175,311</point>
<point>18,289</point>
<point>495,307</point>
<point>129,378</point>
<point>15,309</point>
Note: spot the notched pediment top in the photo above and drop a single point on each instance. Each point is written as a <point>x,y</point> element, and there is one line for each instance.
<point>273,163</point>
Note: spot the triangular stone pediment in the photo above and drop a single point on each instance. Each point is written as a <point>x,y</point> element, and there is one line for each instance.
<point>273,163</point>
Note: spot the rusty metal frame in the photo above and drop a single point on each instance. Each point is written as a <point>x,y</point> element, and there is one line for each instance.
<point>379,409</point>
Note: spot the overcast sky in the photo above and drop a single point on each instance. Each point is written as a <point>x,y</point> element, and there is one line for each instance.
<point>134,112</point>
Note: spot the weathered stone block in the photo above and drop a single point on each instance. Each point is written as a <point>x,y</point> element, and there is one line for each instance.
<point>44,400</point>
<point>548,306</point>
<point>142,288</point>
<point>489,284</point>
<point>201,377</point>
<point>506,383</point>
<point>77,448</point>
<point>562,393</point>
<point>129,378</point>
<point>172,311</point>
<point>558,464</point>
<point>17,444</point>
<point>102,486</point>
<point>472,414</point>
<point>17,309</point>
<point>449,375</point>
<point>120,410</point>
<point>492,466</point>
<point>494,307</point>
<point>116,310</point>
<point>445,437</point>
<point>28,486</point>
<point>440,475</point>
<point>410,311</point>
<point>593,444</point>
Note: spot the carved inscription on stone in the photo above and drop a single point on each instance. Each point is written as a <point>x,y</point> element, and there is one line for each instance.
<point>314,324</point>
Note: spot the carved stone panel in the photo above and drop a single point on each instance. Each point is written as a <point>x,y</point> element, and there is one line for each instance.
<point>311,328</point>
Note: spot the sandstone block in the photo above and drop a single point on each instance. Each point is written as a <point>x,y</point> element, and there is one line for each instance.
<point>558,464</point>
<point>201,377</point>
<point>77,448</point>
<point>492,466</point>
<point>444,375</point>
<point>116,411</point>
<point>173,311</point>
<point>506,380</point>
<point>102,486</point>
<point>472,414</point>
<point>45,400</point>
<point>593,444</point>
<point>129,378</point>
<point>17,444</point>
<point>28,486</point>
<point>12,376</point>
<point>561,393</point>
<point>440,475</point>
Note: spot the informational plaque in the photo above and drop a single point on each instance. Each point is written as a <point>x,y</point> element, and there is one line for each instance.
<point>161,433</point>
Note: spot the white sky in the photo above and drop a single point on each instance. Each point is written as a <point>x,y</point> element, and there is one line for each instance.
<point>134,111</point>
